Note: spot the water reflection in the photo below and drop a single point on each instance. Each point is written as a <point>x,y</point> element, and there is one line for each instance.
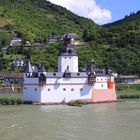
<point>107,107</point>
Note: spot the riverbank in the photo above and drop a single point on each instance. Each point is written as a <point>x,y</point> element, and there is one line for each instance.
<point>123,91</point>
<point>127,89</point>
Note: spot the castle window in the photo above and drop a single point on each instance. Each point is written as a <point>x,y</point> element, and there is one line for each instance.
<point>35,89</point>
<point>69,57</point>
<point>78,74</point>
<point>65,57</point>
<point>54,74</point>
<point>72,89</point>
<point>69,51</point>
<point>49,89</point>
<point>102,85</point>
<point>64,89</point>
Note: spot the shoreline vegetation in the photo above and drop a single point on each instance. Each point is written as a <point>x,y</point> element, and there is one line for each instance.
<point>124,92</point>
<point>10,99</point>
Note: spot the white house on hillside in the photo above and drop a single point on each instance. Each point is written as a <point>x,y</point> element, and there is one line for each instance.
<point>16,42</point>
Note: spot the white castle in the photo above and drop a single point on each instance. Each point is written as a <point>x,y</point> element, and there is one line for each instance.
<point>68,84</point>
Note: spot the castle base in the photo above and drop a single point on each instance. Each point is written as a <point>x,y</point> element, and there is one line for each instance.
<point>104,95</point>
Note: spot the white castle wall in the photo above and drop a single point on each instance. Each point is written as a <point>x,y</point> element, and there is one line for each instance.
<point>57,90</point>
<point>31,90</point>
<point>64,61</point>
<point>66,90</point>
<point>32,93</point>
<point>31,80</point>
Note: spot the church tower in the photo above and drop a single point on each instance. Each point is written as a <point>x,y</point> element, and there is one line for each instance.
<point>68,57</point>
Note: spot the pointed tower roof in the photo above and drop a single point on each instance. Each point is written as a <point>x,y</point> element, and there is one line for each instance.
<point>42,68</point>
<point>67,49</point>
<point>28,68</point>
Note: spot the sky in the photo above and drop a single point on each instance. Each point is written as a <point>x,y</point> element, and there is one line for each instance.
<point>100,11</point>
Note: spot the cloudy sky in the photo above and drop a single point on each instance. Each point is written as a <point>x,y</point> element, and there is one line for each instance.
<point>100,11</point>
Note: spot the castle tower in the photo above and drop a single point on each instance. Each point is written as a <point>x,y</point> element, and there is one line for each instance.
<point>42,70</point>
<point>68,57</point>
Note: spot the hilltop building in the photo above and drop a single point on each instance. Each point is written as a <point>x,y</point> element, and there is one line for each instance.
<point>68,84</point>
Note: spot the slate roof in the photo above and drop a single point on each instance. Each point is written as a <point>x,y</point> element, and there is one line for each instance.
<point>28,68</point>
<point>42,68</point>
<point>68,50</point>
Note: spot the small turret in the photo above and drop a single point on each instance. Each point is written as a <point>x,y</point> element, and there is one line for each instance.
<point>42,75</point>
<point>42,69</point>
<point>92,75</point>
<point>93,66</point>
<point>28,69</point>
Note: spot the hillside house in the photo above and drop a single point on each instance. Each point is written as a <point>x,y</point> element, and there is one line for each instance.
<point>18,63</point>
<point>54,39</point>
<point>16,42</point>
<point>130,79</point>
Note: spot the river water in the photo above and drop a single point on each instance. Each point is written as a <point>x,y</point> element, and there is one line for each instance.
<point>113,121</point>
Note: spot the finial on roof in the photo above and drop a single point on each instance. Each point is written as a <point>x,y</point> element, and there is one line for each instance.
<point>93,65</point>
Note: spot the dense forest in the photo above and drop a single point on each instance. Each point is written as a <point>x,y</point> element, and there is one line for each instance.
<point>116,44</point>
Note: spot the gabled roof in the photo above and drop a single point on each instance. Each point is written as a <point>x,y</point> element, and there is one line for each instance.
<point>28,68</point>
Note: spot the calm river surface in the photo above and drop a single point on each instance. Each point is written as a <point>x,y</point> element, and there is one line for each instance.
<point>113,121</point>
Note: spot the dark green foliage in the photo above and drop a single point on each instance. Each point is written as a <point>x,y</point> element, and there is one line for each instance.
<point>131,96</point>
<point>19,101</point>
<point>12,101</point>
<point>116,44</point>
<point>9,100</point>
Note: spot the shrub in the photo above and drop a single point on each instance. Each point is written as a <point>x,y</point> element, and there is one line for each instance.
<point>19,101</point>
<point>4,101</point>
<point>13,101</point>
<point>132,96</point>
<point>10,100</point>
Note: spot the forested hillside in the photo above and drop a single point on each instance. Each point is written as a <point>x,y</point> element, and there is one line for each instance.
<point>116,44</point>
<point>123,37</point>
